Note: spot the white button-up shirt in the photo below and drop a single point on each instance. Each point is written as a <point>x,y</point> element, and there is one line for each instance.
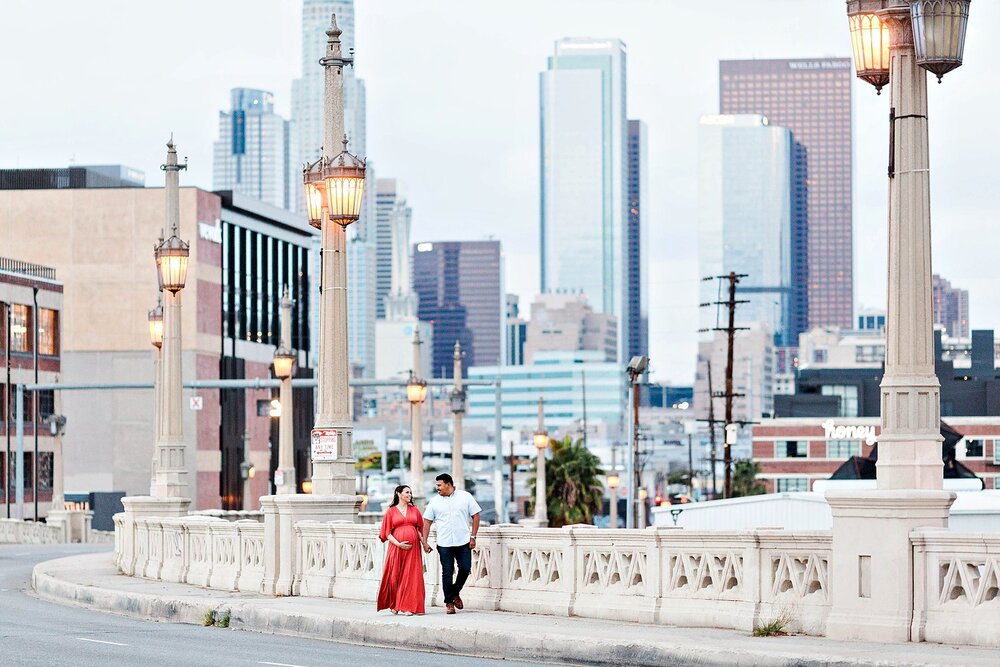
<point>452,516</point>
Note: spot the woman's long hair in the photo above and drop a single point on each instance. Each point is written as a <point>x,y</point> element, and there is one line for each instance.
<point>395,495</point>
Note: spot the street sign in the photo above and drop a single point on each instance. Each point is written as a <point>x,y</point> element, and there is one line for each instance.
<point>196,402</point>
<point>324,444</point>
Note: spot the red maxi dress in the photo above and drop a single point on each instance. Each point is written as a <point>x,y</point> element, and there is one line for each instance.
<point>402,587</point>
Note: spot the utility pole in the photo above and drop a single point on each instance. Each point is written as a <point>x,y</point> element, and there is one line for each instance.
<point>711,429</point>
<point>731,302</point>
<point>727,452</point>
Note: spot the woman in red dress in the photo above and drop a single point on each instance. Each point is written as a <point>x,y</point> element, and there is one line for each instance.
<point>402,588</point>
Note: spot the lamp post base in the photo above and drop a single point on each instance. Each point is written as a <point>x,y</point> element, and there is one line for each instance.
<point>281,513</point>
<point>871,567</point>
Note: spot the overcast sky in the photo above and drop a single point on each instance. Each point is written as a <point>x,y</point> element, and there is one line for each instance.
<point>453,113</point>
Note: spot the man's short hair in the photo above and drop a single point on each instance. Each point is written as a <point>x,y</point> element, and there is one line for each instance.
<point>446,478</point>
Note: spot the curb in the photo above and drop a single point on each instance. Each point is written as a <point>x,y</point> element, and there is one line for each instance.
<point>263,617</point>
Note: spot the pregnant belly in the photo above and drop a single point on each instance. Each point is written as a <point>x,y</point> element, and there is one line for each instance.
<point>406,534</point>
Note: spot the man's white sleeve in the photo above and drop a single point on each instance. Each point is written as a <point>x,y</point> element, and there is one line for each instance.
<point>474,507</point>
<point>429,513</point>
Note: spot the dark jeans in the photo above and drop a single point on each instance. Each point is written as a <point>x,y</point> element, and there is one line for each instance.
<point>449,556</point>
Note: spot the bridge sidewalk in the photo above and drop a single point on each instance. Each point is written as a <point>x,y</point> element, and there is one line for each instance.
<point>91,581</point>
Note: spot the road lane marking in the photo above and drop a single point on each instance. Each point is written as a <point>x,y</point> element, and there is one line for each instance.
<point>98,641</point>
<point>279,664</point>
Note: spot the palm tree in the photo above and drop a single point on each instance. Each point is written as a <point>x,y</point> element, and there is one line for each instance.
<point>572,483</point>
<point>745,482</point>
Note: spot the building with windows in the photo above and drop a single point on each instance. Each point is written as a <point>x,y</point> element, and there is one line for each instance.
<point>839,376</point>
<point>393,270</point>
<point>753,374</point>
<point>951,308</point>
<point>744,219</point>
<point>637,241</point>
<point>517,332</point>
<point>257,153</point>
<point>794,453</point>
<point>584,169</point>
<point>581,390</point>
<point>31,303</point>
<point>243,253</point>
<point>565,322</point>
<point>871,319</point>
<point>812,98</point>
<point>459,286</point>
<point>94,176</point>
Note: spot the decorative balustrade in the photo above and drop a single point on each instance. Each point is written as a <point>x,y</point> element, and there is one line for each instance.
<point>956,587</point>
<point>659,575</point>
<point>15,531</point>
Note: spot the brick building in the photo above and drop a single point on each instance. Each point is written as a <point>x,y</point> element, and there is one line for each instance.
<point>243,253</point>
<point>795,452</point>
<point>31,301</point>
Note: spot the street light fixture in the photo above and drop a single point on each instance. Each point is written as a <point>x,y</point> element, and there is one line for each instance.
<point>870,40</point>
<point>613,481</point>
<point>939,34</point>
<point>156,325</point>
<point>171,255</point>
<point>541,440</point>
<point>284,362</point>
<point>416,389</point>
<point>172,262</point>
<point>334,189</point>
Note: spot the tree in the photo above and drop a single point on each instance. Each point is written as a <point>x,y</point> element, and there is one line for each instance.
<point>572,483</point>
<point>745,482</point>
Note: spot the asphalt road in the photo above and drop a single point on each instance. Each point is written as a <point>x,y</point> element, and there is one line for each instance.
<point>35,632</point>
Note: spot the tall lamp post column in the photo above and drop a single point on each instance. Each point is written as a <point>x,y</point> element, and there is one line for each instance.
<point>284,368</point>
<point>893,40</point>
<point>416,394</point>
<point>613,481</point>
<point>541,440</point>
<point>334,189</point>
<point>155,319</point>
<point>457,410</point>
<point>170,478</point>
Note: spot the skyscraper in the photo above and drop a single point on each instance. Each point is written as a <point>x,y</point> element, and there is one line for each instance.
<point>951,308</point>
<point>812,98</point>
<point>393,271</point>
<point>584,131</point>
<point>637,242</point>
<point>459,285</point>
<point>744,217</point>
<point>256,153</point>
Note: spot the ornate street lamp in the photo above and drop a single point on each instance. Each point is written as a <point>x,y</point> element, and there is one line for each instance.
<point>171,255</point>
<point>870,42</point>
<point>870,528</point>
<point>284,368</point>
<point>284,362</point>
<point>458,404</point>
<point>334,191</point>
<point>416,390</point>
<point>172,263</point>
<point>541,440</point>
<point>613,481</point>
<point>156,325</point>
<point>939,34</point>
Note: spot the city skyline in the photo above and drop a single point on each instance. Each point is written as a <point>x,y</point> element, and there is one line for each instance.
<point>495,138</point>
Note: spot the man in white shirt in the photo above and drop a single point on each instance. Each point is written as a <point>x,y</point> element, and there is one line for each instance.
<point>452,509</point>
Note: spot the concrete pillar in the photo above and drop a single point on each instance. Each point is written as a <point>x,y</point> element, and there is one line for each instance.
<point>417,430</point>
<point>871,570</point>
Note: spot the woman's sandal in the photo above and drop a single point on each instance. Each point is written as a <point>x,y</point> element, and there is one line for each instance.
<point>407,613</point>
<point>394,611</point>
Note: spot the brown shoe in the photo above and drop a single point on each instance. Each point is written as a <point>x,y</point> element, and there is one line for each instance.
<point>458,603</point>
<point>450,608</point>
